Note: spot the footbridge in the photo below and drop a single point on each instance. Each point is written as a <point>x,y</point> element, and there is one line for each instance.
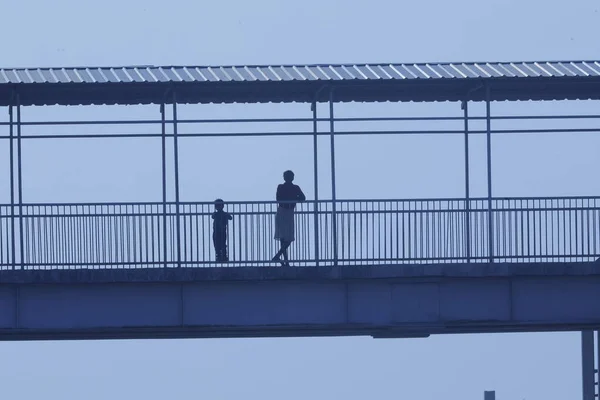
<point>385,267</point>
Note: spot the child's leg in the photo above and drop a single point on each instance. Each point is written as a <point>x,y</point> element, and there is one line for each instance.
<point>223,247</point>
<point>216,246</point>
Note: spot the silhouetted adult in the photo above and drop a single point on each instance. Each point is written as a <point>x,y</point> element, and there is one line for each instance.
<point>287,196</point>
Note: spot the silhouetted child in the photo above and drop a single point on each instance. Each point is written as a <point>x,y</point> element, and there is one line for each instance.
<point>220,221</point>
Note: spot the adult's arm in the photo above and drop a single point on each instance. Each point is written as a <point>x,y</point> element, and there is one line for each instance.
<point>300,194</point>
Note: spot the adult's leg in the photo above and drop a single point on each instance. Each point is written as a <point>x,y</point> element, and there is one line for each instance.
<point>279,252</point>
<point>282,251</point>
<point>284,229</point>
<point>285,253</point>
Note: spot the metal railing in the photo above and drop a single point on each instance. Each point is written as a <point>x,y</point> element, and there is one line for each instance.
<point>368,232</point>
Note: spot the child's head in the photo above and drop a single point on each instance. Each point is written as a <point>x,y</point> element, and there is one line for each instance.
<point>219,204</point>
<point>288,176</point>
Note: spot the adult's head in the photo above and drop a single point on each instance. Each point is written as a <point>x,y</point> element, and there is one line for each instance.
<point>288,176</point>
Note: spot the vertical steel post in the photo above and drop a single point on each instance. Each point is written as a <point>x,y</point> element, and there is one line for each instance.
<point>465,106</point>
<point>333,190</point>
<point>164,179</point>
<point>316,179</point>
<point>20,181</point>
<point>587,364</point>
<point>597,380</point>
<point>489,173</point>
<point>12,185</point>
<point>489,395</point>
<point>176,162</point>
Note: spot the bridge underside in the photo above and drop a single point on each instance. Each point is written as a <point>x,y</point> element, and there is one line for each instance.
<point>381,301</point>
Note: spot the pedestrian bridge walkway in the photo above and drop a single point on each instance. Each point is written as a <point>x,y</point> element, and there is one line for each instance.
<point>380,267</point>
<point>348,232</point>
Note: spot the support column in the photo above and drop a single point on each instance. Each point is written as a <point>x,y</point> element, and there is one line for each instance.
<point>316,179</point>
<point>12,186</point>
<point>333,189</point>
<point>587,365</point>
<point>597,380</point>
<point>489,395</point>
<point>489,174</point>
<point>20,181</point>
<point>465,107</point>
<point>163,126</point>
<point>176,163</point>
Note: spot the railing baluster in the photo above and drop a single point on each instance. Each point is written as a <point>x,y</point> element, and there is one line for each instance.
<point>595,230</point>
<point>2,260</point>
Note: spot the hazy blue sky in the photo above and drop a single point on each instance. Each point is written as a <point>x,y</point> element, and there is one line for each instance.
<point>37,33</point>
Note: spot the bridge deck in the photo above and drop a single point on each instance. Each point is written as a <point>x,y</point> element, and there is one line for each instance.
<point>400,272</point>
<point>381,301</point>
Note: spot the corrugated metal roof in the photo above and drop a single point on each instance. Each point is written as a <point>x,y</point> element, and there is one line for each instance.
<point>287,83</point>
<point>278,73</point>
